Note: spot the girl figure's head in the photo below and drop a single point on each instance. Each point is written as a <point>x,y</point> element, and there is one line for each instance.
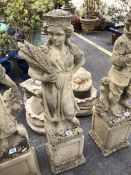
<point>56,35</point>
<point>58,26</point>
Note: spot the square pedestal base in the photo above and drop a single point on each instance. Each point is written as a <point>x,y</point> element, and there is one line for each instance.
<point>25,164</point>
<point>109,138</point>
<point>66,155</point>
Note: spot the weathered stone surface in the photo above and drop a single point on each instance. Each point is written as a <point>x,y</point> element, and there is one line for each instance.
<point>21,165</point>
<point>65,151</point>
<point>35,114</point>
<point>16,156</point>
<point>112,112</point>
<point>54,65</point>
<point>82,87</point>
<point>84,92</point>
<point>31,88</point>
<point>66,156</point>
<point>33,104</point>
<point>110,134</point>
<point>11,133</point>
<point>86,104</point>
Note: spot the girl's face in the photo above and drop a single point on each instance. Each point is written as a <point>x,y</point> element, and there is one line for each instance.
<point>56,35</point>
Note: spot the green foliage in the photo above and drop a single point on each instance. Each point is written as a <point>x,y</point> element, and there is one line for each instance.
<point>4,42</point>
<point>61,2</point>
<point>27,15</point>
<point>4,39</point>
<point>2,6</point>
<point>117,13</point>
<point>58,3</point>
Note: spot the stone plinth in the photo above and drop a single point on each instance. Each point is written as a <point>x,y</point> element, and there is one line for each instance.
<point>110,136</point>
<point>66,151</point>
<point>25,164</point>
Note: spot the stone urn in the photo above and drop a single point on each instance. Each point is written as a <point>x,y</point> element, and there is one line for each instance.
<point>88,25</point>
<point>35,114</point>
<point>33,105</point>
<point>84,91</point>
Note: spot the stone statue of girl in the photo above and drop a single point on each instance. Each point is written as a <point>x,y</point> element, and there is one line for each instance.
<point>60,59</point>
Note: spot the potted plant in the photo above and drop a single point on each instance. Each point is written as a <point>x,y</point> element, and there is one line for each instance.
<point>89,15</point>
<point>27,15</point>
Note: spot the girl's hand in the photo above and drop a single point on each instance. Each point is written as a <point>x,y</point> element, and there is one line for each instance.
<point>49,78</point>
<point>61,80</point>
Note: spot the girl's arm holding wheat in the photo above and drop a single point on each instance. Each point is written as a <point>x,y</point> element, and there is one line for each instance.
<point>40,75</point>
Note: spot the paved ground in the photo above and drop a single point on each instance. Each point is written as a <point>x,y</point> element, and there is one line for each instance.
<point>119,163</point>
